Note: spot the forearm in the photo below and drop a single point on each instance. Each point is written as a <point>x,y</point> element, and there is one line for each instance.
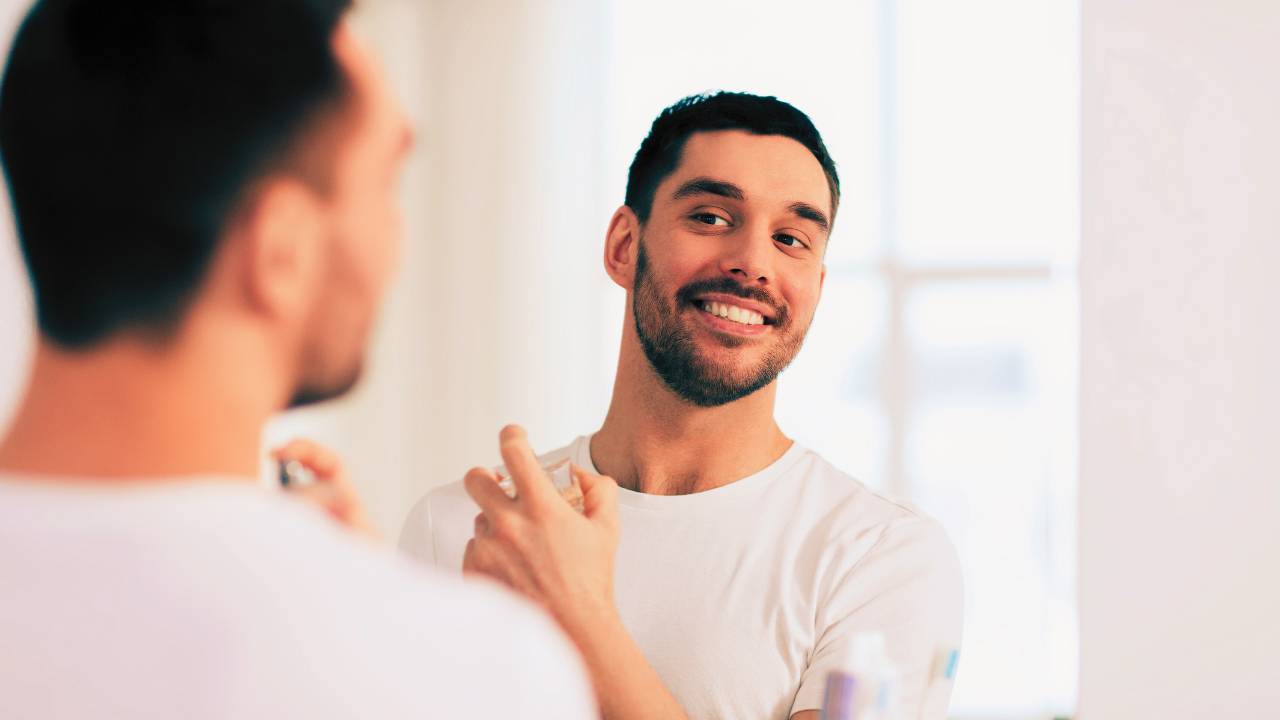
<point>628,688</point>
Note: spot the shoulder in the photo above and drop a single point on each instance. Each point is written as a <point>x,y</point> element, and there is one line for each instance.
<point>441,521</point>
<point>869,531</point>
<point>452,497</point>
<point>842,492</point>
<point>882,565</point>
<point>254,585</point>
<point>438,526</point>
<point>408,635</point>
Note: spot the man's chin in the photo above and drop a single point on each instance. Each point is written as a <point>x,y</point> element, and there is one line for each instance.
<point>714,378</point>
<point>729,357</point>
<point>708,389</point>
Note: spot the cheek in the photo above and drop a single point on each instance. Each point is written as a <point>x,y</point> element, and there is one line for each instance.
<point>802,297</point>
<point>369,238</point>
<point>677,260</point>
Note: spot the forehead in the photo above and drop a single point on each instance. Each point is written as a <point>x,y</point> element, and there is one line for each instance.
<point>773,169</point>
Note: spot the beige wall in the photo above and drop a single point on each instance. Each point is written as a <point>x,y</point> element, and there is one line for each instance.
<point>15,299</point>
<point>1180,412</point>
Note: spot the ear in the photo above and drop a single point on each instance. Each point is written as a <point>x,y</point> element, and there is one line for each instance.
<point>621,245</point>
<point>282,232</point>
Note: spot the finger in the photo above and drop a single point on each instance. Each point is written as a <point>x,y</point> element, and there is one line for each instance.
<point>477,559</point>
<point>599,495</point>
<point>469,558</point>
<point>482,485</point>
<point>320,460</point>
<point>526,472</point>
<point>481,526</point>
<point>489,558</point>
<point>320,497</point>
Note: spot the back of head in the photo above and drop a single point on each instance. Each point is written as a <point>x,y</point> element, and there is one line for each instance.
<point>130,129</point>
<point>659,154</point>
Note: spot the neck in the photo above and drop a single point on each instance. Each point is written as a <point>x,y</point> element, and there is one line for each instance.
<point>131,411</point>
<point>654,442</point>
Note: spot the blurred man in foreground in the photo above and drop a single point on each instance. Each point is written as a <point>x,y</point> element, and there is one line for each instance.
<point>204,195</point>
<point>746,565</point>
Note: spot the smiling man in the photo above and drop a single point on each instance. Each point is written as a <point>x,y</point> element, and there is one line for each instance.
<point>745,564</point>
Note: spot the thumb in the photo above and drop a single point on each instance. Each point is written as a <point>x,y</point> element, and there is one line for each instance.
<point>599,496</point>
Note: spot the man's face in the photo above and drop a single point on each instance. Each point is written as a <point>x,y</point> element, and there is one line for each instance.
<point>730,265</point>
<point>364,228</point>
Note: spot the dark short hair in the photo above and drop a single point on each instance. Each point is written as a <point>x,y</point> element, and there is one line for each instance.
<point>131,129</point>
<point>659,154</point>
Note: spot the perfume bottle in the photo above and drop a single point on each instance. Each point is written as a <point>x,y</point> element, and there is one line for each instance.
<point>292,473</point>
<point>561,477</point>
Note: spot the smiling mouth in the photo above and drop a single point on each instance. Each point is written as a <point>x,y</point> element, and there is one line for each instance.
<point>732,313</point>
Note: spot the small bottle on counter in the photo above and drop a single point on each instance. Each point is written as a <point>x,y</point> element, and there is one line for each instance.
<point>867,686</point>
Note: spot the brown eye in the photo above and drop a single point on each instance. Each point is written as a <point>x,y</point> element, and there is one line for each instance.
<point>789,240</point>
<point>709,219</point>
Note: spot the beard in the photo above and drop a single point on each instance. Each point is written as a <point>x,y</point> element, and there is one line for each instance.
<point>668,340</point>
<point>332,359</point>
<point>314,392</point>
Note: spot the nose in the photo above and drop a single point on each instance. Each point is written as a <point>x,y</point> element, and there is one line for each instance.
<point>749,259</point>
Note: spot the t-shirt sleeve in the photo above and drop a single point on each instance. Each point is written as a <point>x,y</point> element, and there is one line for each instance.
<point>417,537</point>
<point>906,586</point>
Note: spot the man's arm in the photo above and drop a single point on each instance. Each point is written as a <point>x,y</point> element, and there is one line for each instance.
<point>539,546</point>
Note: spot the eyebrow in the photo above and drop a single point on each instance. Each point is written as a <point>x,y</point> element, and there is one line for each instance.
<point>707,186</point>
<point>809,212</point>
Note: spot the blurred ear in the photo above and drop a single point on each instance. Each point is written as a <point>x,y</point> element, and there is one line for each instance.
<point>621,246</point>
<point>281,230</point>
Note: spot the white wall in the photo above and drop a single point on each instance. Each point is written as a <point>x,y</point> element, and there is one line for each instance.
<point>15,321</point>
<point>1180,406</point>
<point>15,299</point>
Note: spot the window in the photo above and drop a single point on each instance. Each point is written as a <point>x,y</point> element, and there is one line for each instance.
<point>941,364</point>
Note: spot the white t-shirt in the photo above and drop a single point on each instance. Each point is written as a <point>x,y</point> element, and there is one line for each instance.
<point>219,599</point>
<point>744,597</point>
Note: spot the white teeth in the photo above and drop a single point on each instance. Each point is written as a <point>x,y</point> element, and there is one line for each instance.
<point>733,313</point>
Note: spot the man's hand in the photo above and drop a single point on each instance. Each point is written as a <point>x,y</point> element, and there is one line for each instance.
<point>539,545</point>
<point>542,548</point>
<point>332,491</point>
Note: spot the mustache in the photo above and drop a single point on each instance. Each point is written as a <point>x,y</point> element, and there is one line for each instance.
<point>729,286</point>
